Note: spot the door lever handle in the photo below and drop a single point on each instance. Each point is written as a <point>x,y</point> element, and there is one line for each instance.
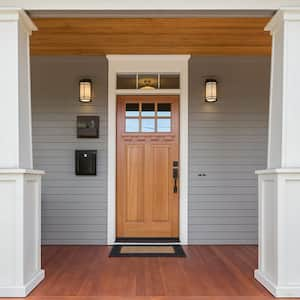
<point>175,176</point>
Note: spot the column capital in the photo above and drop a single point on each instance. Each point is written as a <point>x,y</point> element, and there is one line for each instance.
<point>17,15</point>
<point>283,14</point>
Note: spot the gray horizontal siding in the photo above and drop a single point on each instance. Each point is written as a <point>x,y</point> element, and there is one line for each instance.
<point>74,208</point>
<point>227,142</point>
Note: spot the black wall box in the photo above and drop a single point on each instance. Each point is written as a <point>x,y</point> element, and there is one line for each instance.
<point>86,162</point>
<point>88,127</point>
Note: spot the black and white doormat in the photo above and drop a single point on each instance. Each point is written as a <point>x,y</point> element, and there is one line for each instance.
<point>147,251</point>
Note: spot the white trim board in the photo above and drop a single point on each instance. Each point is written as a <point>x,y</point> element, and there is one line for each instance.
<point>151,14</point>
<point>150,5</point>
<point>151,64</point>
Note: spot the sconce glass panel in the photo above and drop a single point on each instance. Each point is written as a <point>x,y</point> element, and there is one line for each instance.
<point>210,90</point>
<point>85,90</point>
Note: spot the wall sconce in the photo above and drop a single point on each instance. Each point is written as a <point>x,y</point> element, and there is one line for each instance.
<point>85,90</point>
<point>211,90</point>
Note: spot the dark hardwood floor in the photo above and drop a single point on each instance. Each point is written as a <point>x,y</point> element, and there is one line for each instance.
<point>207,273</point>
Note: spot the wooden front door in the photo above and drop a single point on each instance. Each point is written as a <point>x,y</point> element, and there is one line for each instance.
<point>147,166</point>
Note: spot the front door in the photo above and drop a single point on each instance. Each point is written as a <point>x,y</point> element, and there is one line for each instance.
<point>147,166</point>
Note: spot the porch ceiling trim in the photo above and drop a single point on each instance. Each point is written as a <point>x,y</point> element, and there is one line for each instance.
<point>150,13</point>
<point>150,5</point>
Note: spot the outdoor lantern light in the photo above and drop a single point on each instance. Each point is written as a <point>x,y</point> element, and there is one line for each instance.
<point>210,90</point>
<point>85,90</point>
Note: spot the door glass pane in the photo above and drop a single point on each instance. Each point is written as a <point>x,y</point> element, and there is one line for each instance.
<point>132,125</point>
<point>126,81</point>
<point>164,109</point>
<point>148,125</point>
<point>164,125</point>
<point>148,110</point>
<point>132,109</point>
<point>169,81</point>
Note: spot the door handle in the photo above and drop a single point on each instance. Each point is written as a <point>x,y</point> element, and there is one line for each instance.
<point>175,176</point>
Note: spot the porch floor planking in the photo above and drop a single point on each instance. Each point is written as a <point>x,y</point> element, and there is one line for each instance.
<point>208,272</point>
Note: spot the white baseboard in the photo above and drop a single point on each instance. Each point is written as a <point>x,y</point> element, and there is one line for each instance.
<point>22,291</point>
<point>261,278</point>
<point>277,291</point>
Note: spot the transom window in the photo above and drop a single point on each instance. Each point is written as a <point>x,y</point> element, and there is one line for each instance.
<point>148,117</point>
<point>148,81</point>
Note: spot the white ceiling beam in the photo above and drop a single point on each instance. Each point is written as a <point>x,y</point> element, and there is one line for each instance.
<point>149,5</point>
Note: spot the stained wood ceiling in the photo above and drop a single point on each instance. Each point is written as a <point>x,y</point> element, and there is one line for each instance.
<point>203,36</point>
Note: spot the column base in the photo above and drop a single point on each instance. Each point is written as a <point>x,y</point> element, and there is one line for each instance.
<point>20,231</point>
<point>25,290</point>
<point>279,239</point>
<point>277,291</point>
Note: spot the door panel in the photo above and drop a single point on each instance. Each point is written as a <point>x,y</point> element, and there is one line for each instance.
<point>147,145</point>
<point>135,183</point>
<point>161,188</point>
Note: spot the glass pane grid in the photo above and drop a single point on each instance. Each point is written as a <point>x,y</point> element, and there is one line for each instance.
<point>147,117</point>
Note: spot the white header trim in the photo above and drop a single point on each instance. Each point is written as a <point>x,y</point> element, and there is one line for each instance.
<point>144,58</point>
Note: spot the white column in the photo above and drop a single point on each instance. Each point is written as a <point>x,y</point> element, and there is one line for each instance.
<point>279,185</point>
<point>20,186</point>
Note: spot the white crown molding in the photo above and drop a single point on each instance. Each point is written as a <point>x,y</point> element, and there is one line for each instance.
<point>283,14</point>
<point>17,14</point>
<point>151,14</point>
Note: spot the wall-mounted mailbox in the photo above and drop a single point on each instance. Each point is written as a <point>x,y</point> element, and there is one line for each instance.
<point>86,162</point>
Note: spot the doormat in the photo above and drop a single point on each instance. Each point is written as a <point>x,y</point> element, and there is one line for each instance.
<point>147,251</point>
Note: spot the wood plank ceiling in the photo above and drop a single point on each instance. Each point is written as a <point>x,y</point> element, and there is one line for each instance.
<point>202,36</point>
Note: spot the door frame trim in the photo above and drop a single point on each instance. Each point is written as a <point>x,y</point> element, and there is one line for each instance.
<point>156,64</point>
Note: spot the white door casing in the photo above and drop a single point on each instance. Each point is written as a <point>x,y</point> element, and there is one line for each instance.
<point>152,64</point>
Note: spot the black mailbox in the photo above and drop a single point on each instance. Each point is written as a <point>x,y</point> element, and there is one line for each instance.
<point>86,162</point>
